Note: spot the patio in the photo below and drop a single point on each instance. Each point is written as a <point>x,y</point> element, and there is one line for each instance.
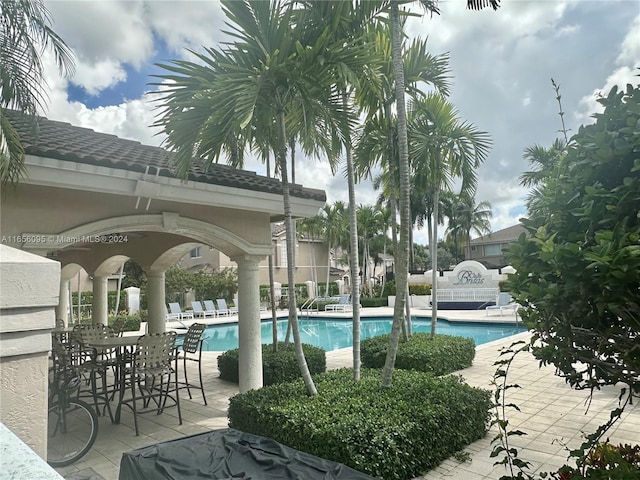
<point>553,415</point>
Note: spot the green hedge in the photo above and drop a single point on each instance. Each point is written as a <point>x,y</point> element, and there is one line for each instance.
<point>374,301</point>
<point>131,325</point>
<point>439,355</point>
<point>399,432</point>
<point>277,367</point>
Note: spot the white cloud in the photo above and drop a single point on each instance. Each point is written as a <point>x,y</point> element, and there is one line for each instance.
<point>99,30</point>
<point>97,76</point>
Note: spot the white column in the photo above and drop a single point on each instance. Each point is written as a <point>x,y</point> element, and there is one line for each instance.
<point>99,306</point>
<point>250,351</point>
<point>155,301</point>
<point>62,310</point>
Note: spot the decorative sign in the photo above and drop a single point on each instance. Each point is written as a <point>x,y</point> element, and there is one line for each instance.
<point>468,277</point>
<point>470,274</point>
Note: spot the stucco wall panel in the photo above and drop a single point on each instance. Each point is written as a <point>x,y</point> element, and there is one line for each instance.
<point>23,398</point>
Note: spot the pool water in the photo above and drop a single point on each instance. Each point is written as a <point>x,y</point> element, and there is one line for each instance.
<point>332,334</point>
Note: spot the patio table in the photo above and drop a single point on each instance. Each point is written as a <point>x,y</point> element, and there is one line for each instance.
<point>123,347</point>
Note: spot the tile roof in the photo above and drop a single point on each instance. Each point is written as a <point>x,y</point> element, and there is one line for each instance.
<point>508,234</point>
<point>64,141</point>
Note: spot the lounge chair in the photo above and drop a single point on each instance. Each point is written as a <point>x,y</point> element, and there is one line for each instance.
<point>209,305</point>
<point>199,312</point>
<point>170,316</point>
<point>343,305</point>
<point>222,307</point>
<point>503,302</point>
<point>174,309</point>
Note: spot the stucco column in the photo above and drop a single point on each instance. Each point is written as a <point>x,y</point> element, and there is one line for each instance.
<point>156,314</point>
<point>99,304</point>
<point>249,336</point>
<point>62,310</point>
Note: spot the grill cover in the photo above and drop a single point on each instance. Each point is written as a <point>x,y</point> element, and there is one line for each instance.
<point>229,454</point>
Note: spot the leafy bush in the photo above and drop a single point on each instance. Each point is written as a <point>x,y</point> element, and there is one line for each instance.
<point>439,355</point>
<point>414,288</point>
<point>607,462</point>
<point>420,289</point>
<point>398,432</point>
<point>277,367</point>
<point>374,301</point>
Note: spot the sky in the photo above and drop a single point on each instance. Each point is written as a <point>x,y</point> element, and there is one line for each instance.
<point>502,63</point>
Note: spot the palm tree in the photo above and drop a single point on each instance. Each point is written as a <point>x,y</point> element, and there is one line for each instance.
<point>25,33</point>
<point>443,148</point>
<point>271,74</point>
<point>335,228</point>
<point>343,22</point>
<point>546,164</point>
<point>370,225</point>
<point>468,217</point>
<point>403,151</point>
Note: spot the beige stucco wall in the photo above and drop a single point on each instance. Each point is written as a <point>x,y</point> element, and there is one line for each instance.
<point>23,212</point>
<point>29,291</point>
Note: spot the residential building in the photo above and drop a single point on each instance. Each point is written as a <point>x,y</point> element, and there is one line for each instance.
<point>312,258</point>
<point>489,249</point>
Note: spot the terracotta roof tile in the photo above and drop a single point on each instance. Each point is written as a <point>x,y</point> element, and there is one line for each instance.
<point>64,141</point>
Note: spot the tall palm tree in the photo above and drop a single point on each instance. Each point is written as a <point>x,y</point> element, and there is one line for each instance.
<point>370,225</point>
<point>546,164</point>
<point>275,72</point>
<point>335,228</point>
<point>468,217</point>
<point>444,148</point>
<point>403,151</point>
<point>25,34</point>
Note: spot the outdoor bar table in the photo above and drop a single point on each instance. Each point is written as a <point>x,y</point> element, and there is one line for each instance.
<point>122,346</point>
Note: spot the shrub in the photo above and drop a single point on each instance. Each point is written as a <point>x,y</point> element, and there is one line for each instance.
<point>277,367</point>
<point>131,325</point>
<point>373,301</point>
<point>439,355</point>
<point>420,289</point>
<point>398,432</point>
<point>414,288</point>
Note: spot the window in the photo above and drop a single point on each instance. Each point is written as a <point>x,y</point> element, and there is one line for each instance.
<point>195,253</point>
<point>492,250</point>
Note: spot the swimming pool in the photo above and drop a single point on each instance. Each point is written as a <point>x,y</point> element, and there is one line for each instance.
<point>332,334</point>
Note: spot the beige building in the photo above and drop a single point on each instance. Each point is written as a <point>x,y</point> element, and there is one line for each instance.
<point>489,249</point>
<point>312,260</point>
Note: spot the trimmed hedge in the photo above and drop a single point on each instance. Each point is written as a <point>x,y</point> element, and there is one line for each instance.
<point>277,367</point>
<point>439,355</point>
<point>396,433</point>
<point>131,325</point>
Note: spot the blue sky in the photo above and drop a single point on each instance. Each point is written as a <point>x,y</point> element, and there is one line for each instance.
<point>502,63</point>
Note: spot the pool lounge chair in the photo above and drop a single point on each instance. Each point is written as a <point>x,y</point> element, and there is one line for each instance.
<point>174,309</point>
<point>222,307</point>
<point>210,305</point>
<point>503,302</point>
<point>200,312</point>
<point>343,305</point>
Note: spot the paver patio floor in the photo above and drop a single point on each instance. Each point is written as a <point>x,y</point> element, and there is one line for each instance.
<point>553,415</point>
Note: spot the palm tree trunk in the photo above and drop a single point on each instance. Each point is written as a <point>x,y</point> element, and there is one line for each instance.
<point>392,200</point>
<point>403,247</point>
<point>290,239</point>
<point>353,255</point>
<point>274,315</point>
<point>434,260</point>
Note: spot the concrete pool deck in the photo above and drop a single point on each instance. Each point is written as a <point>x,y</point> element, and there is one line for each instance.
<point>551,413</point>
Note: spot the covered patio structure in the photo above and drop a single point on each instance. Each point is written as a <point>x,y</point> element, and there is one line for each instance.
<point>94,201</point>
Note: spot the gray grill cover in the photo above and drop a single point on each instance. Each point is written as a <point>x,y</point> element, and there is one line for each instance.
<point>229,454</point>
